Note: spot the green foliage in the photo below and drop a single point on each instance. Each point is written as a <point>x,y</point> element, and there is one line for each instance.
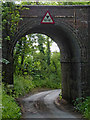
<point>32,56</point>
<point>38,63</point>
<point>48,83</point>
<point>75,3</point>
<point>5,61</point>
<point>83,105</point>
<point>22,85</point>
<point>25,84</point>
<point>56,3</point>
<point>10,19</point>
<point>10,109</point>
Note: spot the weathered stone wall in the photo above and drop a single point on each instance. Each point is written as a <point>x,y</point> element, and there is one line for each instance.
<point>88,54</point>
<point>71,33</point>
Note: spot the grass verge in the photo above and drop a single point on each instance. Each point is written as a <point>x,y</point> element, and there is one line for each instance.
<point>10,108</point>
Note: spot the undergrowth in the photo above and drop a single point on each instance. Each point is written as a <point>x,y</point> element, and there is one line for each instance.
<point>22,85</point>
<point>83,105</point>
<point>25,84</point>
<point>10,108</point>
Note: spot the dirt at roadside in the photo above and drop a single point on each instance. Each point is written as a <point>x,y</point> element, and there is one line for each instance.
<point>66,107</point>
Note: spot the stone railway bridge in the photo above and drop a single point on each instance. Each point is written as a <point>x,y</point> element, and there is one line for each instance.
<point>71,32</point>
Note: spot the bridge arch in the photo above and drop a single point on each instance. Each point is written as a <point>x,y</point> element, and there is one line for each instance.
<point>70,32</point>
<point>70,53</point>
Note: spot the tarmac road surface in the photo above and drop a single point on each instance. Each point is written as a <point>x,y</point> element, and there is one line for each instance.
<point>41,105</point>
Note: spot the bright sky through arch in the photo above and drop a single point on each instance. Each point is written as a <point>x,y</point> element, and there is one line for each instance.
<point>54,47</point>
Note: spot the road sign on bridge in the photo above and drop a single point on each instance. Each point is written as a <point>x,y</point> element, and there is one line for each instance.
<point>47,19</point>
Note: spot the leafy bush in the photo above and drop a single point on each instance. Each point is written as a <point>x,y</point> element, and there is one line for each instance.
<point>83,105</point>
<point>10,107</point>
<point>47,83</point>
<point>22,85</point>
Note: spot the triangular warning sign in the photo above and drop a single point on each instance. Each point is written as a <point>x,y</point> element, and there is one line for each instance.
<point>47,19</point>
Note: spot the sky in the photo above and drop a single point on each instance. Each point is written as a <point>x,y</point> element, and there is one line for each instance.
<point>54,47</point>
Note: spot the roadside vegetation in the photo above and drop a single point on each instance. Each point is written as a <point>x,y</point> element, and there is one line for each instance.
<point>82,105</point>
<point>10,109</point>
<point>35,65</point>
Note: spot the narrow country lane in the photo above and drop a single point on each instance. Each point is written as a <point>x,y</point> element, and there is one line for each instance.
<point>41,105</point>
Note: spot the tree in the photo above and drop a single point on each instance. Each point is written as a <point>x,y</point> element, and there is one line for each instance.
<point>10,20</point>
<point>48,51</point>
<point>38,61</point>
<point>41,41</point>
